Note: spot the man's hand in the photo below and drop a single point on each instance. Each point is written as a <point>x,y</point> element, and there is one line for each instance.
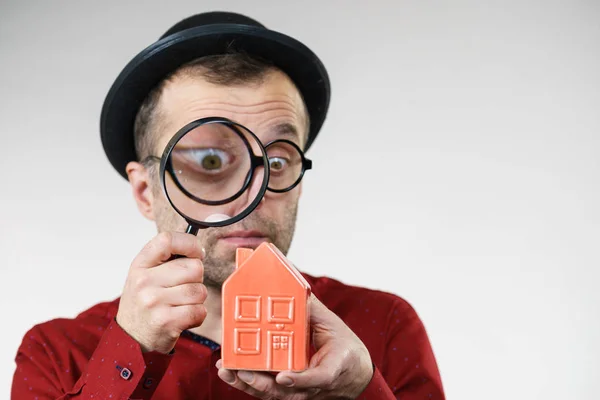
<point>341,367</point>
<point>163,298</point>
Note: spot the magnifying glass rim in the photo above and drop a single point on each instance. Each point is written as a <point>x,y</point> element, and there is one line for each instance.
<point>165,166</point>
<point>254,163</point>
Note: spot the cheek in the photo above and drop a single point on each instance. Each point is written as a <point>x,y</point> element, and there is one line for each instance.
<point>279,205</point>
<point>166,217</point>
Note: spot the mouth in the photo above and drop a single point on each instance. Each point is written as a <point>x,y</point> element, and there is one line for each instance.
<point>250,239</point>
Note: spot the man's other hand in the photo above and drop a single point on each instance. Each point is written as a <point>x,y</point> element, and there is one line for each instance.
<point>341,367</point>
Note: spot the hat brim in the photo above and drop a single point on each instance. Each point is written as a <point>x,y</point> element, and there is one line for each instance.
<point>161,58</point>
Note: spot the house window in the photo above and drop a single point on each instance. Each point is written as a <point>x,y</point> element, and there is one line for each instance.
<point>281,309</point>
<point>280,342</point>
<point>247,308</point>
<point>246,341</point>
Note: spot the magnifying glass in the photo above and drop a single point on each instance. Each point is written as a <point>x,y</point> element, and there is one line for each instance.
<point>209,164</point>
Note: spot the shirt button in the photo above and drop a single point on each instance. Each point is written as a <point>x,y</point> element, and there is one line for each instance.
<point>125,373</point>
<point>148,383</point>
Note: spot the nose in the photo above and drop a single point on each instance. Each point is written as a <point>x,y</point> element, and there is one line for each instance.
<point>250,194</point>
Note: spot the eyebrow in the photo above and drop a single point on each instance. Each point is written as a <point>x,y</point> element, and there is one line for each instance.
<point>287,129</point>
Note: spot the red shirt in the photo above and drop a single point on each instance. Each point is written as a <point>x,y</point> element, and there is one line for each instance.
<point>90,356</point>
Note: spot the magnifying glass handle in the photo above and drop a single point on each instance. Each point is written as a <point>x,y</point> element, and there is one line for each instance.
<point>191,229</point>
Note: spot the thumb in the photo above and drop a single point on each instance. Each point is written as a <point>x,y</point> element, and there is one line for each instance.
<point>320,316</point>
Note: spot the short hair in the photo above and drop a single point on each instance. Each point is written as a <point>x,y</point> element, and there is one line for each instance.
<point>228,69</point>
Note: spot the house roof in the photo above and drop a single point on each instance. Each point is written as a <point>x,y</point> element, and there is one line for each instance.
<point>247,254</point>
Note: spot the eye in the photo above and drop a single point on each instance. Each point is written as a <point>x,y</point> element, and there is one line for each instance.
<point>277,163</point>
<point>210,160</point>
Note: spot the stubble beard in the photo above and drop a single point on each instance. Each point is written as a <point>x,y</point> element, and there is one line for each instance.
<point>219,262</point>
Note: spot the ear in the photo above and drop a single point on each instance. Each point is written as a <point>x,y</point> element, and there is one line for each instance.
<point>139,178</point>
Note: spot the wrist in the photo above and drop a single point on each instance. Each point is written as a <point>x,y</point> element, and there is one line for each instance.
<point>146,344</point>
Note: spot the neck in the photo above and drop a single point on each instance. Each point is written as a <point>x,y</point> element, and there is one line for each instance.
<point>211,327</point>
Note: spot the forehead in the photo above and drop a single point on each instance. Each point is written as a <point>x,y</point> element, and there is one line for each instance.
<point>269,107</point>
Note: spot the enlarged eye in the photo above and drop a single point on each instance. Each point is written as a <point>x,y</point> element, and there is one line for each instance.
<point>277,163</point>
<point>210,160</point>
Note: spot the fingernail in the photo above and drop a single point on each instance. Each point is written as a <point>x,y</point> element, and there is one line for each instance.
<point>246,376</point>
<point>226,375</point>
<point>203,252</point>
<point>286,381</point>
<point>229,377</point>
<point>219,364</point>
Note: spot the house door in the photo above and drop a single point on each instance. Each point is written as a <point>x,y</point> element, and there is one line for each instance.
<point>280,354</point>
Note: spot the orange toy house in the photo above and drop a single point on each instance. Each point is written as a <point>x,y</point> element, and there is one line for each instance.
<point>265,313</point>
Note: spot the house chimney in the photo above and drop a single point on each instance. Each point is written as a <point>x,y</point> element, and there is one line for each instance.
<point>242,255</point>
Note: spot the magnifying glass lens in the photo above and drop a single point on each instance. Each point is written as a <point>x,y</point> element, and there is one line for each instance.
<point>210,167</point>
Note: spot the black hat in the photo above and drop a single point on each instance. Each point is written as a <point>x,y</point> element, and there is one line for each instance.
<point>206,34</point>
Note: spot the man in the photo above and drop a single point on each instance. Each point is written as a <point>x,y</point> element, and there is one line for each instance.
<point>161,338</point>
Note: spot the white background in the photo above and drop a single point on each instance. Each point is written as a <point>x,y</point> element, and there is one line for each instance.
<point>458,168</point>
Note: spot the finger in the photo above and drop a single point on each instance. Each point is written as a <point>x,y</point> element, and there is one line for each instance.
<point>185,294</point>
<point>263,383</point>
<point>323,376</point>
<point>166,244</point>
<point>231,378</point>
<point>177,272</point>
<point>188,316</point>
<point>234,379</point>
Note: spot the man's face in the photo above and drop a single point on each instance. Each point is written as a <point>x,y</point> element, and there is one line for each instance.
<point>263,108</point>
